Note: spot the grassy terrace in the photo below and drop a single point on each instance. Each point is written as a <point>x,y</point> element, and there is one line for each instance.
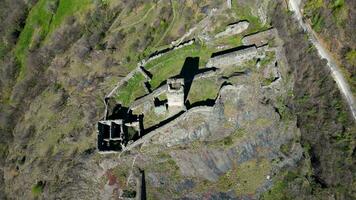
<point>171,63</point>
<point>43,18</point>
<point>132,90</point>
<point>203,89</point>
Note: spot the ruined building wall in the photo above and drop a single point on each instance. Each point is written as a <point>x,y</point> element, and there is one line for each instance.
<point>233,58</point>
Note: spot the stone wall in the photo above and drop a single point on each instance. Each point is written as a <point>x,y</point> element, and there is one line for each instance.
<point>148,97</point>
<point>260,38</point>
<point>233,58</point>
<point>234,29</point>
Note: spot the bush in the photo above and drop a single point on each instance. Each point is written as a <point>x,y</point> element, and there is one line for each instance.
<point>38,188</point>
<point>351,57</point>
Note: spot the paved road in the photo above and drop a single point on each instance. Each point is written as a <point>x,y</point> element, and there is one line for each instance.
<point>294,5</point>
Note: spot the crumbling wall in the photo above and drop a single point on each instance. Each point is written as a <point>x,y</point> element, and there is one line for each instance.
<point>232,58</point>
<point>260,38</point>
<point>149,97</point>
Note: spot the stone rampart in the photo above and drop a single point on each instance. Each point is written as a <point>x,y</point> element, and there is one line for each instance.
<point>260,38</point>
<point>233,58</point>
<point>148,97</point>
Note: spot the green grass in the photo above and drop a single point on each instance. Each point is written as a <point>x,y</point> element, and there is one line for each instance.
<point>243,179</point>
<point>43,18</point>
<point>351,57</point>
<point>132,90</point>
<point>37,22</point>
<point>203,89</point>
<point>312,5</point>
<point>228,141</point>
<point>312,10</point>
<point>337,4</point>
<point>37,189</point>
<point>244,13</point>
<point>270,56</point>
<point>68,8</point>
<point>171,63</point>
<point>317,22</point>
<point>3,150</point>
<point>231,41</point>
<point>151,118</point>
<point>279,189</point>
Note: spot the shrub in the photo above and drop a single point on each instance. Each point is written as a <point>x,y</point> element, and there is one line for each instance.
<point>38,188</point>
<point>351,57</point>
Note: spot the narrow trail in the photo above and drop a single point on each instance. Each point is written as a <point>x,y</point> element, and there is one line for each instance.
<point>170,25</point>
<point>136,22</point>
<point>294,5</point>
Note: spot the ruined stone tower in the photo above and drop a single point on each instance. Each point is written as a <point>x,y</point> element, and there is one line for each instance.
<point>175,94</point>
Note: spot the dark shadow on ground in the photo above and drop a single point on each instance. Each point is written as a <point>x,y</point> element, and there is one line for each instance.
<point>162,123</point>
<point>146,72</point>
<point>189,70</point>
<point>143,185</point>
<point>207,102</point>
<point>158,102</point>
<point>148,86</point>
<point>230,50</point>
<point>168,49</point>
<point>121,112</point>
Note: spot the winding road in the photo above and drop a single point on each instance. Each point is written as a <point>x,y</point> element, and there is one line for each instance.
<point>294,5</point>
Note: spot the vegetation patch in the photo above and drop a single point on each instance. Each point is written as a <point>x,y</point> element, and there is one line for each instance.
<point>244,13</point>
<point>339,11</point>
<point>43,18</point>
<point>203,89</point>
<point>351,57</point>
<point>228,141</point>
<point>37,189</point>
<point>38,20</point>
<point>68,8</point>
<point>170,64</point>
<point>151,118</point>
<point>131,90</point>
<point>312,10</point>
<point>243,179</point>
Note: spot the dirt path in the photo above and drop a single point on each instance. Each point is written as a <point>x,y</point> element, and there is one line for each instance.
<point>136,22</point>
<point>294,5</point>
<point>169,27</point>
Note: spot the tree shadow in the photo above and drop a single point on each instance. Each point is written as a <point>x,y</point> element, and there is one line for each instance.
<point>143,185</point>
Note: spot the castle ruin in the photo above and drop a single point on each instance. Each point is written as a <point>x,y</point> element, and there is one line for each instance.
<point>175,94</point>
<point>115,134</point>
